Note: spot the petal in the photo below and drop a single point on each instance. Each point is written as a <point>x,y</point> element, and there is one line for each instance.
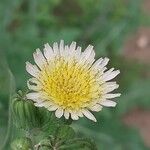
<point>79,113</point>
<point>52,108</point>
<point>72,46</point>
<point>61,47</point>
<point>97,63</point>
<point>109,96</point>
<point>66,114</point>
<point>34,84</point>
<point>111,75</point>
<point>74,116</point>
<point>78,52</point>
<point>89,115</point>
<point>88,51</point>
<point>96,108</point>
<point>33,95</point>
<point>48,104</point>
<point>108,103</point>
<point>66,51</point>
<point>107,72</point>
<point>32,69</point>
<point>59,113</point>
<point>38,104</point>
<point>91,58</point>
<point>48,52</point>
<point>55,48</point>
<point>110,88</point>
<point>86,55</point>
<point>103,63</point>
<point>39,58</point>
<point>38,100</point>
<point>45,104</point>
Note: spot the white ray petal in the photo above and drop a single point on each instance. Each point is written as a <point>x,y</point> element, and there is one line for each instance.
<point>112,83</point>
<point>110,88</point>
<point>38,100</point>
<point>108,103</point>
<point>33,87</point>
<point>74,116</point>
<point>103,69</point>
<point>59,112</point>
<point>111,75</point>
<point>34,81</point>
<point>48,52</point>
<point>32,69</point>
<point>79,113</point>
<point>56,48</point>
<point>46,103</point>
<point>104,63</point>
<point>66,51</point>
<point>52,107</point>
<point>88,51</point>
<point>109,96</point>
<point>78,52</point>
<point>39,58</point>
<point>38,104</point>
<point>33,95</point>
<point>72,46</point>
<point>92,57</point>
<point>66,114</point>
<point>34,84</point>
<point>107,72</point>
<point>86,55</point>
<point>89,115</point>
<point>61,47</point>
<point>97,63</point>
<point>96,107</point>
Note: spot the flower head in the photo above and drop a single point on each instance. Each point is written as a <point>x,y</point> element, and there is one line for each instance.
<point>70,82</point>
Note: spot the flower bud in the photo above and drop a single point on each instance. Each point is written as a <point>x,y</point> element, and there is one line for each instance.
<point>25,113</point>
<point>22,144</point>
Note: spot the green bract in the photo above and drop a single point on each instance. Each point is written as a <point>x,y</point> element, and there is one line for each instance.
<point>25,114</point>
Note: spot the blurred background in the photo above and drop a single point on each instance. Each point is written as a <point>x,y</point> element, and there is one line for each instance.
<point>119,29</point>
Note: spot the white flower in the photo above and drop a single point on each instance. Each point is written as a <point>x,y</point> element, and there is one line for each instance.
<point>71,82</point>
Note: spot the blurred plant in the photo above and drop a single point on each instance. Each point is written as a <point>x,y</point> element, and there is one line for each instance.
<point>27,24</point>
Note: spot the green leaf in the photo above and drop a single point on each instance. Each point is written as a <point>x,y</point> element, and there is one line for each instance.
<point>65,132</point>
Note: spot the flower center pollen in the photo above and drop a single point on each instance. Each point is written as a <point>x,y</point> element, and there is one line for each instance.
<point>69,84</point>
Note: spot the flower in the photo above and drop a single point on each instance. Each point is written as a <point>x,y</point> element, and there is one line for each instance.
<point>70,82</point>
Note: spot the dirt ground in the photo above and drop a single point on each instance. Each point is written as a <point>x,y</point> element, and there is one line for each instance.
<point>137,47</point>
